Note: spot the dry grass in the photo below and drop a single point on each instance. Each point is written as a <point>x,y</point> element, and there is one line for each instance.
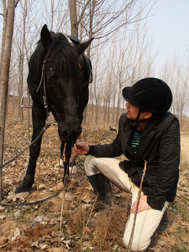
<point>104,230</point>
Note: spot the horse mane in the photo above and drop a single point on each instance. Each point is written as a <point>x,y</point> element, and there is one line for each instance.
<point>63,57</point>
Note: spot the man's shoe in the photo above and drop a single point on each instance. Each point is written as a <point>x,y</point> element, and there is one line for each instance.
<point>102,187</point>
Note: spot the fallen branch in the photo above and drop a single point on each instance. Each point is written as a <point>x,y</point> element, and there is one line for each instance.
<point>138,200</point>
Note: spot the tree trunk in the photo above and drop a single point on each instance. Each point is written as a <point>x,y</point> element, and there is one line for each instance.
<point>108,114</point>
<point>52,14</point>
<point>4,78</point>
<point>105,112</point>
<point>28,116</point>
<point>85,116</point>
<point>118,105</point>
<point>21,65</point>
<point>73,18</point>
<point>4,29</point>
<point>96,118</point>
<point>91,25</point>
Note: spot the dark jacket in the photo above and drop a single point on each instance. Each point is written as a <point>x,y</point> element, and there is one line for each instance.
<point>159,146</point>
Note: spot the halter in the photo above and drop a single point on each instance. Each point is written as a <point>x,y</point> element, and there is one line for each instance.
<point>42,80</point>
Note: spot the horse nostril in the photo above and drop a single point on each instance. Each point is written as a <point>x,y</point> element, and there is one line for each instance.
<point>65,135</point>
<point>71,134</point>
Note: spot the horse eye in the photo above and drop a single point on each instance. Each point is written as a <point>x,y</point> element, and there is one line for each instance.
<point>51,72</point>
<point>51,75</point>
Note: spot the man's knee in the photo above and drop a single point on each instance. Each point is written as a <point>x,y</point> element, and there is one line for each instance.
<point>87,160</point>
<point>86,164</point>
<point>138,244</point>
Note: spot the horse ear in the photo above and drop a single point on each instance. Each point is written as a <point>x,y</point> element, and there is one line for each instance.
<point>83,46</point>
<point>46,39</point>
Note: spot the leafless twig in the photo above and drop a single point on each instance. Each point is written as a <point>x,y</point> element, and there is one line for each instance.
<point>83,233</point>
<point>16,3</point>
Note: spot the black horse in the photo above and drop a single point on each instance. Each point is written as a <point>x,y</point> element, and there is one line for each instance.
<point>59,75</point>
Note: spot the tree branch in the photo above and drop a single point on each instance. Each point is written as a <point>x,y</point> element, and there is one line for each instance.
<point>139,194</point>
<point>82,12</point>
<point>16,3</point>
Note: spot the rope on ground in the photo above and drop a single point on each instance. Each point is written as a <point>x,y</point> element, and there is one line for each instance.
<point>17,155</point>
<point>34,202</point>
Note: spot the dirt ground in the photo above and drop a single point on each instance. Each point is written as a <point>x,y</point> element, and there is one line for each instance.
<point>72,221</point>
<point>185,146</point>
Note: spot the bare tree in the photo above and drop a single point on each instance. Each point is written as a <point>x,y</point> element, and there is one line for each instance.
<point>4,77</point>
<point>174,74</point>
<point>4,15</point>
<point>122,62</point>
<point>21,57</point>
<point>102,19</point>
<point>95,90</point>
<point>107,21</point>
<point>73,18</point>
<point>52,9</point>
<point>109,89</point>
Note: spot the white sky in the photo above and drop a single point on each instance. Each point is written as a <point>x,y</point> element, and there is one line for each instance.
<point>169,26</point>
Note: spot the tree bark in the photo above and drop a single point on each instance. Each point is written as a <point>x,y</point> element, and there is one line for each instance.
<point>73,18</point>
<point>91,25</point>
<point>4,29</point>
<point>4,78</point>
<point>21,59</point>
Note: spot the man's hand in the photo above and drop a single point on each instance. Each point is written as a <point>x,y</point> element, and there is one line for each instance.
<point>143,205</point>
<point>80,149</point>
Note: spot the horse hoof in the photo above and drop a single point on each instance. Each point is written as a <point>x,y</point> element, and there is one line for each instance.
<point>25,186</point>
<point>21,189</point>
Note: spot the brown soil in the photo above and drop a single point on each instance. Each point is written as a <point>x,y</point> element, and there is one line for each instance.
<point>85,227</point>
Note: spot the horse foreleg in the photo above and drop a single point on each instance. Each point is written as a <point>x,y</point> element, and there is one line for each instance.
<point>38,124</point>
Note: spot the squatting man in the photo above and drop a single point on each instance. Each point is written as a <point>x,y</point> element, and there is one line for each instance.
<point>147,131</point>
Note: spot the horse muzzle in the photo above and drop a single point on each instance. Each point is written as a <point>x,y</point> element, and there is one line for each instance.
<point>70,133</point>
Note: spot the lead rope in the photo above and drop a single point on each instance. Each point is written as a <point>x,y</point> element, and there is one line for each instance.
<point>64,184</point>
<point>64,188</point>
<point>41,132</point>
<point>14,158</point>
<point>64,153</point>
<point>42,74</point>
<point>42,80</point>
<point>45,98</point>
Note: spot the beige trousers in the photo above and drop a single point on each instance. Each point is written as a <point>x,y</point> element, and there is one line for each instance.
<point>146,221</point>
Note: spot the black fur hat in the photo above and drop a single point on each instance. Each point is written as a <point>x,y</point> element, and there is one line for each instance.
<point>150,94</point>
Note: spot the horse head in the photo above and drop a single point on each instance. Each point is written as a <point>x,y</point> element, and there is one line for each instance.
<point>67,76</point>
